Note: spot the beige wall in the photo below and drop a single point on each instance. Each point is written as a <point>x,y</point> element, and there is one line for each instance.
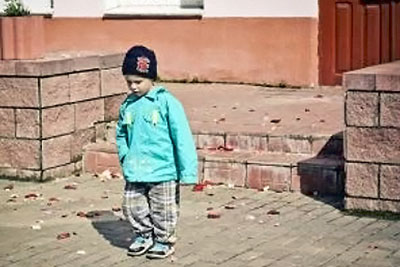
<point>256,50</point>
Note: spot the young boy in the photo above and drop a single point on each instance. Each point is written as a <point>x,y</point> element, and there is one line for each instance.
<point>156,152</point>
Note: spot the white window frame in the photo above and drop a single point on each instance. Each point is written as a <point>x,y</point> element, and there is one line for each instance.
<point>153,8</point>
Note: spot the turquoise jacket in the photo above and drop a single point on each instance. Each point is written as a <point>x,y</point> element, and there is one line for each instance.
<point>154,139</point>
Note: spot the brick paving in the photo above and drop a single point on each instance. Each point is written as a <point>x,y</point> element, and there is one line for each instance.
<point>306,232</point>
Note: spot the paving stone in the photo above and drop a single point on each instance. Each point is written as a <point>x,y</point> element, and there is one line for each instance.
<point>310,233</point>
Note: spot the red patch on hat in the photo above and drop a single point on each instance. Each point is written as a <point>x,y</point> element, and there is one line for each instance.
<point>143,64</point>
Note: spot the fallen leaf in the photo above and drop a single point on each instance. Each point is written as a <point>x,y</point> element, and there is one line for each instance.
<point>198,187</point>
<point>225,148</point>
<point>251,110</point>
<point>11,200</point>
<point>104,197</point>
<point>306,110</point>
<point>81,214</point>
<point>63,235</point>
<point>318,96</point>
<point>230,207</point>
<point>275,121</point>
<point>116,175</point>
<point>116,209</point>
<point>297,119</point>
<point>14,196</point>
<point>72,186</point>
<point>210,208</point>
<point>210,194</point>
<point>64,216</point>
<point>32,195</point>
<point>322,120</point>
<point>234,197</point>
<point>273,212</point>
<point>213,214</point>
<point>8,187</point>
<point>54,199</point>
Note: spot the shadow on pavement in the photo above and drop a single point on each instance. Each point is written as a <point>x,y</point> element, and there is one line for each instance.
<point>322,177</point>
<point>113,228</point>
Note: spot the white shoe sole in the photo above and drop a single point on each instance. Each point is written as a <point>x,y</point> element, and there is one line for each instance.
<point>140,253</point>
<point>153,256</point>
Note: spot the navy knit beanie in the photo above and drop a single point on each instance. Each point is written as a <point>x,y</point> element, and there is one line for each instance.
<point>140,61</point>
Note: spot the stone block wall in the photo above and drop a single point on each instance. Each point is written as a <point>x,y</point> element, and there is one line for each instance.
<point>51,108</point>
<point>372,138</point>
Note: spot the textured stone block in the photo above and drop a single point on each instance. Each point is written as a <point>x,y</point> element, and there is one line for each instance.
<point>19,92</point>
<point>390,110</point>
<point>373,145</point>
<point>111,107</point>
<point>29,175</point>
<point>390,182</point>
<point>56,151</point>
<point>7,67</point>
<point>7,125</point>
<point>62,171</point>
<point>89,162</point>
<point>362,204</point>
<point>112,82</point>
<point>19,153</point>
<point>247,142</point>
<point>362,180</point>
<point>320,176</point>
<point>210,141</point>
<point>85,63</point>
<point>371,204</point>
<point>89,112</point>
<point>388,82</point>
<point>276,177</point>
<point>79,140</point>
<point>288,145</point>
<point>84,85</point>
<point>225,172</point>
<point>28,123</point>
<point>112,60</point>
<point>359,81</point>
<point>362,109</point>
<point>58,120</point>
<point>44,67</point>
<point>295,182</point>
<point>55,90</point>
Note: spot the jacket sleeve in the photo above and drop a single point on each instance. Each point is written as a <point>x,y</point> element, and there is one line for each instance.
<point>121,134</point>
<point>182,138</point>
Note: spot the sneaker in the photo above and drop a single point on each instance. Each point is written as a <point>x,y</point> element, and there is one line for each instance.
<point>140,246</point>
<point>160,251</point>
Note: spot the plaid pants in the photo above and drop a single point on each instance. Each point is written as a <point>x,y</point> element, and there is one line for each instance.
<point>152,209</point>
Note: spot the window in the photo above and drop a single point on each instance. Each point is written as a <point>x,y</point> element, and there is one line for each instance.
<point>116,8</point>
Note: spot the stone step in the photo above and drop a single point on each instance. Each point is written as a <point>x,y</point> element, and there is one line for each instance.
<point>258,170</point>
<point>311,145</point>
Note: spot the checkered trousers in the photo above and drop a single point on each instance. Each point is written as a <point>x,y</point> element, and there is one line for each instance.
<point>153,209</point>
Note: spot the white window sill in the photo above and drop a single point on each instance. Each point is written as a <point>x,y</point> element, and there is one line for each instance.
<point>152,11</point>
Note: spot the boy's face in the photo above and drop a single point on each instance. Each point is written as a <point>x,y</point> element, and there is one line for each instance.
<point>137,85</point>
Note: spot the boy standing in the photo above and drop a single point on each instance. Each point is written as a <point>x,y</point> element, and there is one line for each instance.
<point>156,153</point>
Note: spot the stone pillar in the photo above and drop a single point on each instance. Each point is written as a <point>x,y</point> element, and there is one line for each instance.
<point>50,109</point>
<point>372,138</point>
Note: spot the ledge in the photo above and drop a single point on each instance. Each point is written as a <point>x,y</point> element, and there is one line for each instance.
<point>153,12</point>
<point>59,64</point>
